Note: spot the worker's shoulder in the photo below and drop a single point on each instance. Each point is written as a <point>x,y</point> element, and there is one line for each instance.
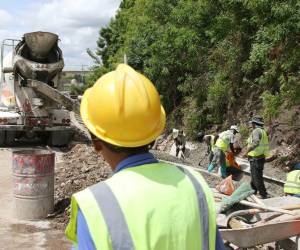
<point>258,131</point>
<point>191,172</point>
<point>196,177</point>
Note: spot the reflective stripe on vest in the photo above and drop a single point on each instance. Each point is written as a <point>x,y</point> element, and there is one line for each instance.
<point>113,216</point>
<point>292,185</point>
<point>111,227</point>
<point>224,140</point>
<point>263,148</point>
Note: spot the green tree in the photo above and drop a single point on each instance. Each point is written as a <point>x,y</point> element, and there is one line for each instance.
<point>207,56</point>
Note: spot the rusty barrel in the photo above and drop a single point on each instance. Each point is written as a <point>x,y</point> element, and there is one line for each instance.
<point>33,181</point>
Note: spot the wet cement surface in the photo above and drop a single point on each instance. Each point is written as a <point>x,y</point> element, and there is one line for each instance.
<point>20,234</point>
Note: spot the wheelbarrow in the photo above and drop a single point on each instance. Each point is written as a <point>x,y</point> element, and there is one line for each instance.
<point>258,235</point>
<point>271,227</point>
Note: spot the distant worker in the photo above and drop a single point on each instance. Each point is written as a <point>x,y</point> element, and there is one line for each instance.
<point>292,184</point>
<point>224,144</point>
<point>180,142</point>
<point>210,141</point>
<point>200,136</point>
<point>257,150</point>
<point>146,204</point>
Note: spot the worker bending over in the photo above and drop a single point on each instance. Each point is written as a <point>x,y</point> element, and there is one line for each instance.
<point>146,204</point>
<point>210,141</point>
<point>224,144</point>
<point>257,150</point>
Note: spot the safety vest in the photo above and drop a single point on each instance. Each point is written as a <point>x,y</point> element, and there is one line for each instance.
<point>154,206</point>
<point>224,140</point>
<point>212,142</point>
<point>292,185</point>
<point>263,148</point>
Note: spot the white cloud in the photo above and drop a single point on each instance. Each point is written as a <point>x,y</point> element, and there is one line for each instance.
<point>77,22</point>
<point>5,18</point>
<point>71,14</point>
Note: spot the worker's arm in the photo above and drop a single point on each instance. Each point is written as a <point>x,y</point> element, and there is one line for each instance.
<point>256,136</point>
<point>84,238</point>
<point>231,142</point>
<point>208,148</point>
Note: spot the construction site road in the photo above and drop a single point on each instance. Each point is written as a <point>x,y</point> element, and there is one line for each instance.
<point>17,234</point>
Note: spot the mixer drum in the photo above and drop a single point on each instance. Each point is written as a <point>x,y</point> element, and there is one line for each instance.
<point>38,56</point>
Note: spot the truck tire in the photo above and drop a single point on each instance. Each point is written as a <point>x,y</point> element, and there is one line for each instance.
<point>2,138</point>
<point>10,138</point>
<point>59,138</point>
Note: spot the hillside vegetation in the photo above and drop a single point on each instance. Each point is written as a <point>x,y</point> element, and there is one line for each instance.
<point>207,58</point>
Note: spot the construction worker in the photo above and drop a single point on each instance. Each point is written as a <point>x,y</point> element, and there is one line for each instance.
<point>257,150</point>
<point>210,141</point>
<point>292,184</point>
<point>145,204</point>
<point>180,142</point>
<point>200,136</point>
<point>224,143</point>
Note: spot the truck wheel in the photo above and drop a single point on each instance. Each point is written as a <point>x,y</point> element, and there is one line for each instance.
<point>2,138</point>
<point>59,138</point>
<point>10,138</point>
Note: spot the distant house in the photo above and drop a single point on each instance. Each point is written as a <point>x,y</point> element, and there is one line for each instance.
<point>72,73</point>
<point>69,77</point>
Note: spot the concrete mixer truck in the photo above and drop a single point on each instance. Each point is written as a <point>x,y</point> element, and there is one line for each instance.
<point>31,105</point>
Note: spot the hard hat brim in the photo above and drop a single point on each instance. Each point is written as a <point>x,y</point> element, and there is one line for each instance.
<point>257,122</point>
<point>97,130</point>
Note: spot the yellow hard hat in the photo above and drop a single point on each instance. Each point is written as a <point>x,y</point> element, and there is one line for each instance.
<point>123,108</point>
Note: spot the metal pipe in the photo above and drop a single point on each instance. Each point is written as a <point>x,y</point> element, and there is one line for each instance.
<point>268,178</point>
<point>252,211</point>
<point>11,43</point>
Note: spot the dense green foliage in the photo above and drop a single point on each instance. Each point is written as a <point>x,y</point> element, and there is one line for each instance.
<point>205,55</point>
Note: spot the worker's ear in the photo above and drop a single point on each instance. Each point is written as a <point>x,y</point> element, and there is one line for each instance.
<point>97,145</point>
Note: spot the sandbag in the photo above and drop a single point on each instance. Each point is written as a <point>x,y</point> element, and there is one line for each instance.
<point>226,186</point>
<point>230,161</point>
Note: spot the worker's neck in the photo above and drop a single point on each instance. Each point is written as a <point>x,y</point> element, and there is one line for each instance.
<point>113,159</point>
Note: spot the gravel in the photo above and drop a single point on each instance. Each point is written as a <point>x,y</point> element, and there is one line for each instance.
<point>81,167</point>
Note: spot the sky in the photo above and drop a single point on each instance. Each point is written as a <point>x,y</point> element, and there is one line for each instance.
<point>77,23</point>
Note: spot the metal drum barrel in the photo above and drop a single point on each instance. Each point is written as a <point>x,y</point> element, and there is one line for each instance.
<point>33,181</point>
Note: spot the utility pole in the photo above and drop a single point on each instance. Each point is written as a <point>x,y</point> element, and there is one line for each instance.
<point>125,59</point>
<point>83,72</point>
